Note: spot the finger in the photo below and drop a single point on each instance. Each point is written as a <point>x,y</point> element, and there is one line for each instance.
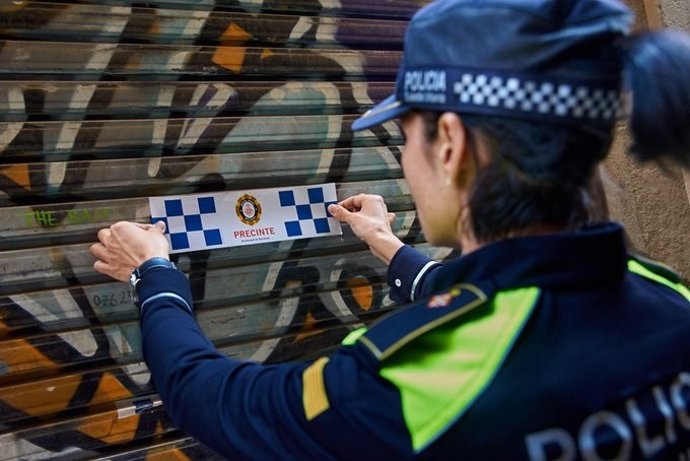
<point>362,201</point>
<point>122,227</point>
<point>104,235</point>
<point>102,267</point>
<point>116,273</point>
<point>347,203</point>
<point>353,203</point>
<point>99,251</point>
<point>391,218</point>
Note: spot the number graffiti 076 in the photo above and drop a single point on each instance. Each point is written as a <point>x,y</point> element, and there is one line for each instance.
<point>114,299</point>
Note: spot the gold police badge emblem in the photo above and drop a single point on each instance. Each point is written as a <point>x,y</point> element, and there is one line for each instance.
<point>248,209</point>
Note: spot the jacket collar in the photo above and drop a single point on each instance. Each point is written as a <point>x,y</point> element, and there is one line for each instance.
<point>590,256</point>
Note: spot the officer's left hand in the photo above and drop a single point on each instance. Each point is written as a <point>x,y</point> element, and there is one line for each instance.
<point>124,246</point>
<point>371,221</point>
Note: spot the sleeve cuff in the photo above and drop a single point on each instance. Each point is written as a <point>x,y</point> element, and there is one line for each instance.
<point>162,282</point>
<point>405,272</point>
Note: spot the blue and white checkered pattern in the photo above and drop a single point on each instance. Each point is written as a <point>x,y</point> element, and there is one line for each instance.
<point>186,216</point>
<point>214,220</point>
<point>539,97</point>
<point>310,209</point>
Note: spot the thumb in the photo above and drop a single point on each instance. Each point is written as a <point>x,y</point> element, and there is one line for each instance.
<point>160,225</point>
<point>338,212</point>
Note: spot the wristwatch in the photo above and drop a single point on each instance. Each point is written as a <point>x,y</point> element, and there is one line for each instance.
<point>148,265</point>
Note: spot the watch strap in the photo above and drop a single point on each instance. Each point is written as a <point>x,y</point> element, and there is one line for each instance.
<point>149,265</point>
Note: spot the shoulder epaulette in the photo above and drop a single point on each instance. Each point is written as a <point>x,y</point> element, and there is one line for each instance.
<point>658,268</point>
<point>388,335</point>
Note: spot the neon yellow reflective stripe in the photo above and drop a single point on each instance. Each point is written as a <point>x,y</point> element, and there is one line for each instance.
<point>639,269</point>
<point>353,336</point>
<point>449,367</point>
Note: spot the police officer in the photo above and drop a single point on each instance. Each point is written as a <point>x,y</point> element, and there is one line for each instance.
<point>546,340</point>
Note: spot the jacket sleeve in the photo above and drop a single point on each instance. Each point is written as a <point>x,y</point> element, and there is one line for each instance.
<point>245,410</point>
<point>410,275</point>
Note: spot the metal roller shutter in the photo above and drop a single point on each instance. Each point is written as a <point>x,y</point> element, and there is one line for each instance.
<point>104,104</point>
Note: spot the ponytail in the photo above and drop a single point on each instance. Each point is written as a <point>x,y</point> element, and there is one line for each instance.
<point>657,72</point>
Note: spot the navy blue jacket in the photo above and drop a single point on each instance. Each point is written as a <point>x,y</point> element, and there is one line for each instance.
<point>541,348</point>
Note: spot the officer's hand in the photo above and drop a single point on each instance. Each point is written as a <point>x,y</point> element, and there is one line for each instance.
<point>124,246</point>
<point>369,219</point>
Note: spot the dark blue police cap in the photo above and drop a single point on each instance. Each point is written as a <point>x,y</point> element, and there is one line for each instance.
<point>553,60</point>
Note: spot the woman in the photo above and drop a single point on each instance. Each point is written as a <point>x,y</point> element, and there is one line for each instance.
<point>545,340</point>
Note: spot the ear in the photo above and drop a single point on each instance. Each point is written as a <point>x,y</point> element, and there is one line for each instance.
<point>453,150</point>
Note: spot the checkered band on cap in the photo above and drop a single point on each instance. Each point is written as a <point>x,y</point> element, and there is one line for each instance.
<point>501,94</point>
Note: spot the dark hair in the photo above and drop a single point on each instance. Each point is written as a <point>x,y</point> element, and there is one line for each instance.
<point>539,173</point>
<point>657,73</point>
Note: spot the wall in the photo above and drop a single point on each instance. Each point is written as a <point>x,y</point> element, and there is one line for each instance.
<point>107,103</point>
<point>653,202</point>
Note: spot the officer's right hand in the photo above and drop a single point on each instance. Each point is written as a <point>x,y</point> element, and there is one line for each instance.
<point>368,217</point>
<point>125,245</point>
